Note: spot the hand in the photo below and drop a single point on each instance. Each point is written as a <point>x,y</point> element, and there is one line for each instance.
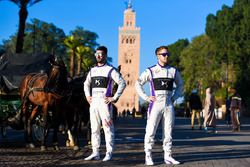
<point>109,100</point>
<point>108,122</point>
<point>89,99</point>
<point>151,99</point>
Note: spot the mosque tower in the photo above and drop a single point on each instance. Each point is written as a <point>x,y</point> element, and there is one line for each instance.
<point>129,59</point>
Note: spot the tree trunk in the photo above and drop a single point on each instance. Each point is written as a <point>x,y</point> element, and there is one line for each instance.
<point>78,65</point>
<point>72,68</point>
<point>23,13</point>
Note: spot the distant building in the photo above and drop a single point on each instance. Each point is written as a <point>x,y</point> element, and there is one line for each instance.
<point>129,59</point>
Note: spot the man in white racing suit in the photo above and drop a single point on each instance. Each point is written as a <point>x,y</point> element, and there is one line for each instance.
<point>98,91</point>
<point>166,86</point>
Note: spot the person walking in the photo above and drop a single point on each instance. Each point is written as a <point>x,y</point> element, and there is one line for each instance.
<point>163,93</point>
<point>209,113</point>
<point>228,112</point>
<point>235,107</point>
<point>98,91</point>
<point>195,107</point>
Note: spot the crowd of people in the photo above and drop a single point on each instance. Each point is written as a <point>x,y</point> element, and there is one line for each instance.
<point>232,110</point>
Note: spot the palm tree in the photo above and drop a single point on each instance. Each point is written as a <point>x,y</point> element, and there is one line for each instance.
<point>84,61</point>
<point>23,14</point>
<point>81,45</point>
<point>72,43</point>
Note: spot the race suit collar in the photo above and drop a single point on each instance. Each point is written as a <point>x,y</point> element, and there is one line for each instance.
<point>162,66</point>
<point>100,65</point>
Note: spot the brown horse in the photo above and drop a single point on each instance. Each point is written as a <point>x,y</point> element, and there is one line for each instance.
<point>40,91</point>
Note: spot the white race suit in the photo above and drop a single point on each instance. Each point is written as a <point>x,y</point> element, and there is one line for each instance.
<point>98,85</point>
<point>166,85</point>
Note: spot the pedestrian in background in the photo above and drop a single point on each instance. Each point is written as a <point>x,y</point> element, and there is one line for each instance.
<point>235,107</point>
<point>161,78</point>
<point>209,113</point>
<point>195,107</point>
<point>228,112</point>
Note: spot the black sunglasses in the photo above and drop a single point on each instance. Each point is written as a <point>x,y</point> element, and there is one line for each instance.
<point>165,54</point>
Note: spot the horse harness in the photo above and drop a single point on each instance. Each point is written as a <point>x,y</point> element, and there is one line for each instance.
<point>32,89</point>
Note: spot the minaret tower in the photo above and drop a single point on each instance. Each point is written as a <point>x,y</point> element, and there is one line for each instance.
<point>129,59</point>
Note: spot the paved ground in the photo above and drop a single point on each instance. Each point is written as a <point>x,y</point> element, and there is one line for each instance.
<point>193,148</point>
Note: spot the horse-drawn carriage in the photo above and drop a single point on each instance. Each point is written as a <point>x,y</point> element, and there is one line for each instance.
<point>13,67</point>
<point>30,86</point>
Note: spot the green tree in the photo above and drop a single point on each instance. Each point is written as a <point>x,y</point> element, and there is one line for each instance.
<point>40,37</point>
<point>72,43</point>
<point>85,58</point>
<point>175,50</point>
<point>199,66</point>
<point>9,45</point>
<point>23,14</point>
<point>229,29</point>
<point>88,37</point>
<point>1,49</point>
<point>44,37</point>
<point>81,45</point>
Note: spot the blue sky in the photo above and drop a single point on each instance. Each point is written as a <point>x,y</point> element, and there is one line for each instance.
<point>162,22</point>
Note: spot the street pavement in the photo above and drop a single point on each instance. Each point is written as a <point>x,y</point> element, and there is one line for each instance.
<point>193,148</point>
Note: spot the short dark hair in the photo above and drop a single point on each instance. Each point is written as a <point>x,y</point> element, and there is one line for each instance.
<point>160,48</point>
<point>103,48</point>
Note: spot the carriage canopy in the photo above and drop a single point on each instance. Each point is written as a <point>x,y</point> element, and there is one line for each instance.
<point>13,67</point>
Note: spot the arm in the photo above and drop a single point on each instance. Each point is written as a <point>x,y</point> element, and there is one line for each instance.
<point>144,77</point>
<point>239,102</point>
<point>116,76</point>
<point>86,87</point>
<point>179,86</point>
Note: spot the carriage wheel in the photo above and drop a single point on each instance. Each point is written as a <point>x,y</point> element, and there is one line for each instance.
<point>38,132</point>
<point>4,131</point>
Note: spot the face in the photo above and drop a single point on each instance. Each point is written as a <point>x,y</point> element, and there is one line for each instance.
<point>162,56</point>
<point>209,90</point>
<point>100,56</point>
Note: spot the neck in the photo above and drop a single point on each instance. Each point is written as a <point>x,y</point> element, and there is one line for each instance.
<point>100,64</point>
<point>162,64</point>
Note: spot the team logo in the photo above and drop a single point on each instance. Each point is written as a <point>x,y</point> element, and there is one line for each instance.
<point>97,82</point>
<point>164,83</point>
